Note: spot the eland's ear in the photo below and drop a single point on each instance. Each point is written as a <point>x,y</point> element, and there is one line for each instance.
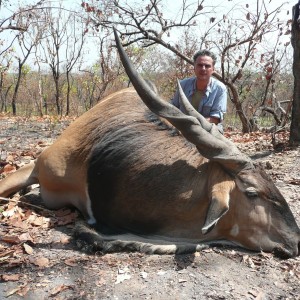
<point>217,209</point>
<point>220,187</point>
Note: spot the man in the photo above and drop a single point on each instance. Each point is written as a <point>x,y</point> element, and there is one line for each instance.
<point>207,94</point>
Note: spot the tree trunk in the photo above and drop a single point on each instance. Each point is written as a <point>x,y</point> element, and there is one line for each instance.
<point>3,100</point>
<point>68,93</point>
<point>40,101</point>
<point>246,124</point>
<point>15,94</point>
<point>57,96</point>
<point>295,124</point>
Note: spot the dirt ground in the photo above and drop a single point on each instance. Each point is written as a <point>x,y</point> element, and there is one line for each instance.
<point>40,260</point>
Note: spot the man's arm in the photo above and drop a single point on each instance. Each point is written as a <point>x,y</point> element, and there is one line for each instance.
<point>219,107</point>
<point>175,99</point>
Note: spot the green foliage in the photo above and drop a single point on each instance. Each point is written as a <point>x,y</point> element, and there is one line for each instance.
<point>26,69</point>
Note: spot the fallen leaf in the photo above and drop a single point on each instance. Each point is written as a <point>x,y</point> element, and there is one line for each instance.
<point>161,273</point>
<point>70,218</point>
<point>248,261</point>
<point>71,262</point>
<point>9,212</point>
<point>59,289</point>
<point>13,263</point>
<point>100,282</point>
<point>10,158</point>
<point>41,262</point>
<point>7,253</point>
<point>38,221</point>
<point>62,212</point>
<point>122,277</point>
<point>8,169</point>
<point>123,274</point>
<point>25,237</point>
<point>19,224</point>
<point>23,291</point>
<point>13,291</point>
<point>10,277</point>
<point>65,240</point>
<point>27,249</point>
<point>11,239</point>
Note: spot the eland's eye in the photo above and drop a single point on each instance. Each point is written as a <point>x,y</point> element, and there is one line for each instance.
<point>251,192</point>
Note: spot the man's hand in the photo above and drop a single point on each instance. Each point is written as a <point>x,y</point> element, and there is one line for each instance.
<point>213,120</point>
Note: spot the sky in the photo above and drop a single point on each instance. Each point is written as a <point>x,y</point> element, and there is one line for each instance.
<point>173,8</point>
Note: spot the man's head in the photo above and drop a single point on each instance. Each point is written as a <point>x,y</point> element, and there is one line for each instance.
<point>205,53</point>
<point>204,62</point>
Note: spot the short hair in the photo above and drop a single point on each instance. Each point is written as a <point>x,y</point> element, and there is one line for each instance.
<point>205,53</point>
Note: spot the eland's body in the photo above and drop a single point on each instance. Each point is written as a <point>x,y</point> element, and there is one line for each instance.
<point>129,170</point>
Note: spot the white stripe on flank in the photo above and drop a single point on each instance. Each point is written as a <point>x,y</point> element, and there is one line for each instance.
<point>91,219</point>
<point>235,230</point>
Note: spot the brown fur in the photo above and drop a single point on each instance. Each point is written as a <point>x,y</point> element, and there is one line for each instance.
<point>154,183</point>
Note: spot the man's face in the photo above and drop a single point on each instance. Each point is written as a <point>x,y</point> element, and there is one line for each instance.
<point>203,68</point>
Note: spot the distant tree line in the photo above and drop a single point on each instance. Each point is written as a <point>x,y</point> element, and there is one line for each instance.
<point>45,52</point>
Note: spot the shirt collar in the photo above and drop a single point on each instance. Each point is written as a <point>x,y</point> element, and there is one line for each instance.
<point>209,86</point>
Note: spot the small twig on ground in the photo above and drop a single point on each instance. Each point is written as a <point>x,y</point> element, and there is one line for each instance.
<point>28,204</point>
